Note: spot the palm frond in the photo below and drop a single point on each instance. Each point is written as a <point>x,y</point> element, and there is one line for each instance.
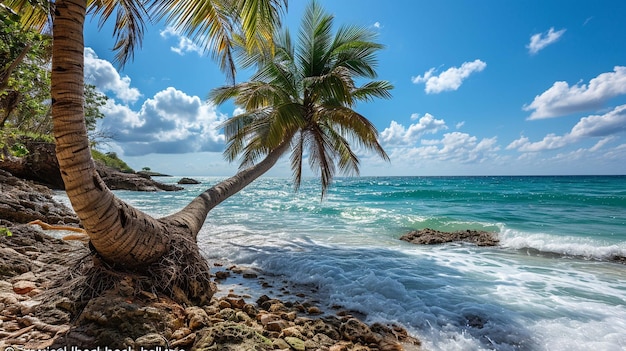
<point>296,157</point>
<point>347,160</point>
<point>258,20</point>
<point>355,127</point>
<point>371,90</point>
<point>129,24</point>
<point>315,37</point>
<point>33,14</point>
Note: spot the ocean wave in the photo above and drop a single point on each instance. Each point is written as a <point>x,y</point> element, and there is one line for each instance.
<point>568,246</point>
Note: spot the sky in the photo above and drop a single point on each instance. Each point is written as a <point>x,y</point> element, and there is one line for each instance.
<point>482,87</point>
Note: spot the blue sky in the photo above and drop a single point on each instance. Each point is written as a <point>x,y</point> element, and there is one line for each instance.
<point>481,88</point>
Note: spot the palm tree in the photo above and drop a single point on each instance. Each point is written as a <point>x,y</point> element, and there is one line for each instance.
<point>165,248</point>
<point>121,235</point>
<point>302,99</point>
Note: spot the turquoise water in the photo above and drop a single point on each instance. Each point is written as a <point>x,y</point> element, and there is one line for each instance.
<point>548,287</point>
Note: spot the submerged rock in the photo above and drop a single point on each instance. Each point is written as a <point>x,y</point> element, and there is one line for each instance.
<point>429,236</point>
<point>186,180</point>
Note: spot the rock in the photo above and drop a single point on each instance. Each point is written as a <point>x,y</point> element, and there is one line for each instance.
<point>188,181</point>
<point>150,341</point>
<point>276,326</point>
<point>116,180</point>
<point>429,236</point>
<point>355,330</point>
<point>198,317</point>
<point>23,287</point>
<point>266,318</point>
<point>23,201</point>
<point>221,275</point>
<point>236,303</point>
<point>314,310</point>
<point>280,344</point>
<point>249,274</point>
<point>184,342</point>
<point>296,343</point>
<point>28,306</point>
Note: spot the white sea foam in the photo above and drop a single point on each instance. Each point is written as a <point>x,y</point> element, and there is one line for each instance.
<point>562,245</point>
<point>452,297</point>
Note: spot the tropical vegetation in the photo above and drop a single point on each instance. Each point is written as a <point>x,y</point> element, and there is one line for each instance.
<point>300,102</point>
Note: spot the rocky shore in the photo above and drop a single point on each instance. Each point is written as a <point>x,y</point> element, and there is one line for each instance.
<point>41,166</point>
<point>43,301</point>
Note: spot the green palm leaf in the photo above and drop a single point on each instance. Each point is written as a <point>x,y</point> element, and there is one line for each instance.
<point>305,94</point>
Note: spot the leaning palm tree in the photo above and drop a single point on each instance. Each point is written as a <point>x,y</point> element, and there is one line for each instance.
<point>319,114</point>
<point>120,235</point>
<point>301,100</point>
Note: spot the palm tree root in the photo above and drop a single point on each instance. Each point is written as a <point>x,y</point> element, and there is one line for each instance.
<point>181,274</point>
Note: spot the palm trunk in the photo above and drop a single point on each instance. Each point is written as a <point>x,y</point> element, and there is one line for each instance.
<point>119,233</point>
<point>194,214</point>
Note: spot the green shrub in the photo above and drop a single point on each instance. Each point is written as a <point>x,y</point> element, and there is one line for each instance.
<point>110,159</point>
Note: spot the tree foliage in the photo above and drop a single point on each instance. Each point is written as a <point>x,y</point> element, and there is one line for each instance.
<point>25,57</point>
<point>306,95</point>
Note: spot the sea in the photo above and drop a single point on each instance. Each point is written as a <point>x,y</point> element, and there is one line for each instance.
<point>550,285</point>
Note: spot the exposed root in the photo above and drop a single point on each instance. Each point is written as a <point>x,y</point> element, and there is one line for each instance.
<point>46,226</point>
<point>81,236</point>
<point>182,273</point>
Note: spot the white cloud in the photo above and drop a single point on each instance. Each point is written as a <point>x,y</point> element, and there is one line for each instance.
<point>105,77</point>
<point>540,40</point>
<point>449,80</point>
<point>452,147</point>
<point>561,99</point>
<point>460,125</point>
<point>397,134</point>
<point>377,25</point>
<point>596,126</point>
<point>185,45</point>
<point>406,146</point>
<point>170,122</point>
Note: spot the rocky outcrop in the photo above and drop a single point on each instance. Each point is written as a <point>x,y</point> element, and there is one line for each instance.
<point>40,165</point>
<point>116,180</point>
<point>186,180</point>
<point>24,201</point>
<point>36,313</point>
<point>429,236</point>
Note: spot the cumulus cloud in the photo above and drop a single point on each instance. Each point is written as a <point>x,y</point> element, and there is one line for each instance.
<point>406,144</point>
<point>540,40</point>
<point>397,134</point>
<point>105,77</point>
<point>562,99</point>
<point>604,126</point>
<point>456,147</point>
<point>449,80</point>
<point>184,45</point>
<point>169,122</point>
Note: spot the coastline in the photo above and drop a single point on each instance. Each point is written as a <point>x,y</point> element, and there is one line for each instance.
<point>37,315</point>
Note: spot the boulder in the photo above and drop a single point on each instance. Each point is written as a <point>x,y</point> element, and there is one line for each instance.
<point>24,201</point>
<point>429,236</point>
<point>186,180</point>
